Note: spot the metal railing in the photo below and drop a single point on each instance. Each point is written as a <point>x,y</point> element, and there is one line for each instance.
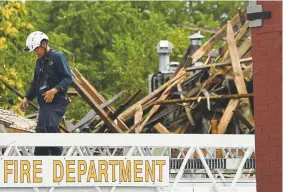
<point>197,162</point>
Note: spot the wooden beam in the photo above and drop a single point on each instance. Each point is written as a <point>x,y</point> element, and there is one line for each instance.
<point>64,129</point>
<point>156,107</point>
<point>72,93</point>
<point>214,126</point>
<point>161,129</point>
<point>239,77</point>
<point>203,29</point>
<point>89,88</point>
<point>213,40</point>
<point>237,70</point>
<point>239,34</point>
<point>245,47</point>
<point>208,45</point>
<point>129,113</point>
<point>242,31</point>
<point>138,116</point>
<point>232,96</point>
<point>228,113</point>
<point>184,128</point>
<point>95,106</point>
<point>99,99</point>
<point>187,109</point>
<point>221,64</point>
<point>91,114</point>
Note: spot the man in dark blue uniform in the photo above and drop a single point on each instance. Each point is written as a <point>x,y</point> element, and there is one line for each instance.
<point>51,79</point>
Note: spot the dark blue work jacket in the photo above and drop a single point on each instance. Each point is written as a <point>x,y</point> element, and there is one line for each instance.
<point>51,70</point>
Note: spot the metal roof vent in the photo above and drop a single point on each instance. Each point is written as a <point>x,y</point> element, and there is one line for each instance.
<point>164,48</point>
<point>196,39</point>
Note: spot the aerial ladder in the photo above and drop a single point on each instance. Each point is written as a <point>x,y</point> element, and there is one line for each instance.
<point>197,163</point>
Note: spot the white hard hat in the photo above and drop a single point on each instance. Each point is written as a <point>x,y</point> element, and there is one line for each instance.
<point>34,40</point>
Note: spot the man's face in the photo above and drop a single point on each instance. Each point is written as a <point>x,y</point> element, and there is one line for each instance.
<point>39,51</point>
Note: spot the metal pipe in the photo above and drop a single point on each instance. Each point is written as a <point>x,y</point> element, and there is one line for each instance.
<point>164,48</point>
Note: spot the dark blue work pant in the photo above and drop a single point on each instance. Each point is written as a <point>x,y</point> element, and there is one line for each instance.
<point>50,116</point>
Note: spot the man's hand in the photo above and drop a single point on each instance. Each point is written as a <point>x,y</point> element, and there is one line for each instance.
<point>24,104</point>
<point>49,95</point>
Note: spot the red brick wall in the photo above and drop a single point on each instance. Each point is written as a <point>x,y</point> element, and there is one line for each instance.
<point>267,64</point>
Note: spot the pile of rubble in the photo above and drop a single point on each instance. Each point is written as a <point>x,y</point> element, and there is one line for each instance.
<point>14,123</point>
<point>210,92</point>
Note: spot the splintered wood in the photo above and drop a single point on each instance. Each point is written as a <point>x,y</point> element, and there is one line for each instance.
<point>209,93</point>
<point>10,122</point>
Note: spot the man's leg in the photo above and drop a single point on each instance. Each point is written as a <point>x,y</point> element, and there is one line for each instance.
<point>40,128</point>
<point>56,114</point>
<point>41,151</point>
<point>56,151</point>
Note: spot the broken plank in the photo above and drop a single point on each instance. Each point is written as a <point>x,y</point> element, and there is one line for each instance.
<point>163,113</point>
<point>95,106</point>
<point>138,115</point>
<point>203,29</point>
<point>237,70</point>
<point>72,93</point>
<point>162,97</point>
<point>245,47</point>
<point>127,114</point>
<point>214,126</point>
<point>121,124</point>
<point>239,77</point>
<point>161,129</point>
<point>122,107</point>
<point>96,96</point>
<point>91,114</point>
<point>187,109</point>
<point>232,96</point>
<point>88,87</point>
<point>213,40</point>
<point>240,33</point>
<point>221,64</point>
<point>228,113</point>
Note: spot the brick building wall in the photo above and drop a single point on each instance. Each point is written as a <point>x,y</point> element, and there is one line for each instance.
<point>267,66</point>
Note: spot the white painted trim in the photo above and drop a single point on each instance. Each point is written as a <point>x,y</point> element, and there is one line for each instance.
<point>182,187</point>
<point>149,140</point>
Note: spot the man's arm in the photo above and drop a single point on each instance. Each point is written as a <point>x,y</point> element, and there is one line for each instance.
<point>65,73</point>
<point>31,94</point>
